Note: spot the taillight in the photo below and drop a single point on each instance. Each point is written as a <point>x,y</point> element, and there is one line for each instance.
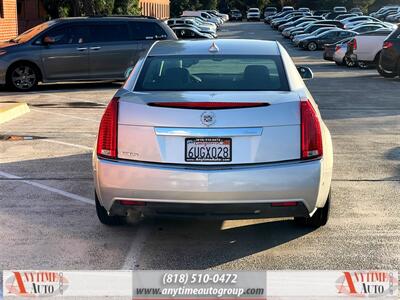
<point>354,44</point>
<point>311,136</point>
<point>337,48</point>
<point>387,45</point>
<point>107,137</point>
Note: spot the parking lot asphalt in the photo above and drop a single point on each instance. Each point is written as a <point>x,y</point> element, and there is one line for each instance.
<point>48,220</point>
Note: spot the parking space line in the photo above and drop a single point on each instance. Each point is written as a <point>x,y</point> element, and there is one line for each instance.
<point>132,257</point>
<point>68,144</point>
<point>49,189</point>
<point>64,115</point>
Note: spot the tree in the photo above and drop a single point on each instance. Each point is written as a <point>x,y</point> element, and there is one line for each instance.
<point>76,8</point>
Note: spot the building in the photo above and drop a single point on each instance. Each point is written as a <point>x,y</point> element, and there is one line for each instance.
<point>155,8</point>
<point>16,16</point>
<point>30,13</point>
<point>8,19</point>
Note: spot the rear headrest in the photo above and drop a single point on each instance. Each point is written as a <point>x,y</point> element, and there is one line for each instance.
<point>256,72</point>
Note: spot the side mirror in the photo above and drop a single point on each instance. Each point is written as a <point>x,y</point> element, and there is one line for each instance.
<point>305,72</point>
<point>128,72</point>
<point>48,40</point>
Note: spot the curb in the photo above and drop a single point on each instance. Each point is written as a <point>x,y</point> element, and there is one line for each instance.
<point>9,111</point>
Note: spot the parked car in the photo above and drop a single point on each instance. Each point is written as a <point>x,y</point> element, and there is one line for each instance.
<point>366,47</point>
<point>332,15</point>
<point>190,23</point>
<point>329,49</point>
<point>340,9</point>
<point>76,49</point>
<point>298,20</point>
<point>253,14</point>
<point>356,10</point>
<point>270,11</point>
<point>304,9</point>
<point>367,27</point>
<point>297,25</point>
<point>314,31</point>
<point>393,17</point>
<point>287,8</point>
<point>193,31</point>
<point>389,58</point>
<point>382,10</point>
<point>188,32</point>
<point>340,56</point>
<point>382,16</point>
<point>270,19</point>
<point>224,17</point>
<point>319,23</point>
<point>201,23</point>
<point>345,16</point>
<point>320,12</point>
<point>236,15</point>
<point>216,20</point>
<point>292,18</point>
<point>317,42</point>
<point>204,157</point>
<point>354,21</point>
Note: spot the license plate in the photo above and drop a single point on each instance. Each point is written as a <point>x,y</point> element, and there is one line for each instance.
<point>208,149</point>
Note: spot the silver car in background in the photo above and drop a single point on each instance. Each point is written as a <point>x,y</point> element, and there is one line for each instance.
<point>212,129</point>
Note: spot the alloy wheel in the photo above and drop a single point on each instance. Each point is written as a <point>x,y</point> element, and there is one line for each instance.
<point>24,77</point>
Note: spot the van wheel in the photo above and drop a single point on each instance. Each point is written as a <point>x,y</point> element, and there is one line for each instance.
<point>104,218</point>
<point>384,73</point>
<point>312,46</point>
<point>22,77</point>
<point>319,218</point>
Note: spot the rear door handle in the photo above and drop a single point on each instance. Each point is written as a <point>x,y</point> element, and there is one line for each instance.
<point>81,48</point>
<point>95,48</point>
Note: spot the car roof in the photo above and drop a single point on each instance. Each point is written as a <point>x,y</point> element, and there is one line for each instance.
<point>105,18</point>
<point>225,46</point>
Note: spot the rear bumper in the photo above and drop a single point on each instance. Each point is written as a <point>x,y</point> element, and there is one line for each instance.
<point>254,187</point>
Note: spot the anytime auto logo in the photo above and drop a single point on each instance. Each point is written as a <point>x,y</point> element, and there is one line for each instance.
<point>35,283</point>
<point>367,284</point>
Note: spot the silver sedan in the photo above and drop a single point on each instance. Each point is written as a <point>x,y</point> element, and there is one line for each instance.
<point>220,129</point>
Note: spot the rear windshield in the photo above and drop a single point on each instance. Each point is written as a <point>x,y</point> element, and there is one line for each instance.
<point>213,73</point>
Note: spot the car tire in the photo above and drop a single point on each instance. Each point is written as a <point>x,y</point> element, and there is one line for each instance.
<point>319,218</point>
<point>363,65</point>
<point>312,46</point>
<point>349,62</point>
<point>105,218</point>
<point>383,73</point>
<point>23,77</point>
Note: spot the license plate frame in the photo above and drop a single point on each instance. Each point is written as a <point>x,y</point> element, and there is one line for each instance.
<point>209,155</point>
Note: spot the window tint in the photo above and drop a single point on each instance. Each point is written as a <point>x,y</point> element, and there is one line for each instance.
<point>344,34</point>
<point>61,35</point>
<point>146,31</point>
<point>109,32</point>
<point>211,73</point>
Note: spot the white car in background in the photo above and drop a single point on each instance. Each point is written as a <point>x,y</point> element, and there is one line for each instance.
<point>214,129</point>
<point>253,14</point>
<point>203,14</point>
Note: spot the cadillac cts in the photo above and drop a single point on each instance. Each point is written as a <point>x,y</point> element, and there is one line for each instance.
<point>221,129</point>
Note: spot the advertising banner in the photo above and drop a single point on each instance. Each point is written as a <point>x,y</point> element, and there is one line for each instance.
<point>154,285</point>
